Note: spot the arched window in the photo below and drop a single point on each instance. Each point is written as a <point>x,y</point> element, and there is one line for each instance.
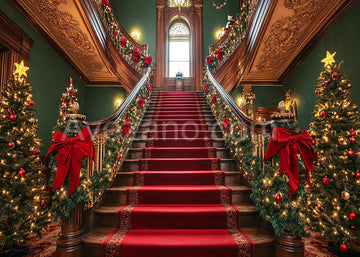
<point>179,49</point>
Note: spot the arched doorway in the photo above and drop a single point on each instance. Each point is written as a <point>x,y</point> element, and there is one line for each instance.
<point>179,29</point>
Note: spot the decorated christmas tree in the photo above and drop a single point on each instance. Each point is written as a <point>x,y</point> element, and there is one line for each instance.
<point>23,197</point>
<point>334,200</point>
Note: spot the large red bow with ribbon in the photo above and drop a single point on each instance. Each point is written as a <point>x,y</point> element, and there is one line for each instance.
<point>148,60</point>
<point>219,54</point>
<point>70,152</point>
<point>136,54</point>
<point>209,60</point>
<point>123,41</point>
<point>287,145</point>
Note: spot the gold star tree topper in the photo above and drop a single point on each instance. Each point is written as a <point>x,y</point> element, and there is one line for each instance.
<point>21,69</point>
<point>329,59</point>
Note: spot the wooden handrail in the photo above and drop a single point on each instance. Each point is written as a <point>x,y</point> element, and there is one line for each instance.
<point>109,123</point>
<point>258,127</point>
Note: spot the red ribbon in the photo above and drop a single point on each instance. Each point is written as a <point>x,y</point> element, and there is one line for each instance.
<point>149,87</point>
<point>141,102</point>
<point>148,60</point>
<point>219,54</point>
<point>152,77</point>
<point>126,130</point>
<point>225,124</point>
<point>206,87</point>
<point>136,54</point>
<point>70,152</point>
<point>209,60</point>
<point>287,145</point>
<point>123,41</point>
<point>213,100</point>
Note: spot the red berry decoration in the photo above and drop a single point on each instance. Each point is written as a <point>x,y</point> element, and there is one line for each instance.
<point>317,92</point>
<point>335,75</point>
<point>350,153</point>
<point>12,117</point>
<point>352,140</point>
<point>343,247</point>
<point>357,174</point>
<point>315,203</point>
<point>353,227</point>
<point>323,84</point>
<point>31,102</point>
<point>9,112</point>
<point>352,215</point>
<point>323,114</point>
<point>11,145</point>
<point>277,198</point>
<point>21,173</point>
<point>40,165</point>
<point>118,156</point>
<point>326,181</point>
<point>36,152</point>
<point>352,132</point>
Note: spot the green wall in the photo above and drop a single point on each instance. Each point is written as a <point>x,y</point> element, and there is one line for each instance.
<point>100,101</point>
<point>343,38</point>
<point>214,19</point>
<point>48,77</point>
<point>138,15</point>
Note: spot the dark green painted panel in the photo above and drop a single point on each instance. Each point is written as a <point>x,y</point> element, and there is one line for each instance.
<point>138,15</point>
<point>343,38</point>
<point>214,19</point>
<point>48,76</point>
<point>100,101</point>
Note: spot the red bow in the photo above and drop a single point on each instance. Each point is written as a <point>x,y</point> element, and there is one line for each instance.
<point>149,87</point>
<point>213,100</point>
<point>225,124</point>
<point>123,41</point>
<point>206,87</point>
<point>152,77</point>
<point>126,130</point>
<point>148,60</point>
<point>287,145</point>
<point>209,60</point>
<point>70,152</point>
<point>141,102</point>
<point>105,2</point>
<point>219,54</point>
<point>136,54</point>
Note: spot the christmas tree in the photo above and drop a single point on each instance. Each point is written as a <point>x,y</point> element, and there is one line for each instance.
<point>23,197</point>
<point>334,200</point>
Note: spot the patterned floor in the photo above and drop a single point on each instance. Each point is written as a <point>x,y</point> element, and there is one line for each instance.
<point>315,246</point>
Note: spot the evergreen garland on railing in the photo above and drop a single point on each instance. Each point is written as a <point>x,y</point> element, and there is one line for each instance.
<point>134,56</point>
<point>91,188</point>
<point>238,31</point>
<point>270,191</point>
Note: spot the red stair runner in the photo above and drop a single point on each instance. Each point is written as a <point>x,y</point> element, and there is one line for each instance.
<point>178,205</point>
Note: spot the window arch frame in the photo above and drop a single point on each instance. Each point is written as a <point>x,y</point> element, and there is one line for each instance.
<point>175,20</point>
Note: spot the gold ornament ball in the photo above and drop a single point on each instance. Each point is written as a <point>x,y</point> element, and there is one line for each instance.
<point>341,140</point>
<point>74,107</point>
<point>282,106</point>
<point>345,195</point>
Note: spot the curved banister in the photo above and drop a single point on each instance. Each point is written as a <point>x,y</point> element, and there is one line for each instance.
<point>110,122</point>
<point>258,127</point>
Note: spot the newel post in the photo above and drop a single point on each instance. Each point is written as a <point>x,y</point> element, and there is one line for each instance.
<point>289,245</point>
<point>68,243</point>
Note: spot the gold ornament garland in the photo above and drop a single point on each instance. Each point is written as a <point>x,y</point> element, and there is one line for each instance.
<point>219,6</point>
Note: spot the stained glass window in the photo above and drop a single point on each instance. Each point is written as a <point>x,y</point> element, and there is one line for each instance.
<point>176,3</point>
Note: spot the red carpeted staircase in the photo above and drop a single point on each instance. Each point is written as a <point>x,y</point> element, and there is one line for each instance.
<point>176,202</point>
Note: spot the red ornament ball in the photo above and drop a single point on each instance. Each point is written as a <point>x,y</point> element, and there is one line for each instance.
<point>352,140</point>
<point>40,165</point>
<point>352,215</point>
<point>335,75</point>
<point>8,86</point>
<point>31,103</point>
<point>323,114</point>
<point>344,92</point>
<point>310,124</point>
<point>118,156</point>
<point>350,153</point>
<point>11,145</point>
<point>343,248</point>
<point>42,203</point>
<point>352,132</point>
<point>9,112</point>
<point>353,227</point>
<point>317,92</point>
<point>323,84</point>
<point>21,173</point>
<point>277,198</point>
<point>357,174</point>
<point>326,181</point>
<point>12,117</point>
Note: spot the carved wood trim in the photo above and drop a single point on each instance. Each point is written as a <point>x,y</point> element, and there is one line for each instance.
<point>14,46</point>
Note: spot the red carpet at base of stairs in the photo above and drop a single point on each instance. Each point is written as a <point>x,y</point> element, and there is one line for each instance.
<point>178,205</point>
